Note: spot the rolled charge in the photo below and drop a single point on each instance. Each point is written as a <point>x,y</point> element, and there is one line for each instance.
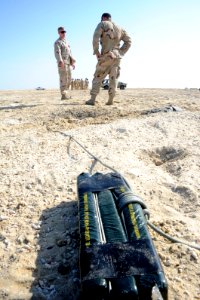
<point>125,287</point>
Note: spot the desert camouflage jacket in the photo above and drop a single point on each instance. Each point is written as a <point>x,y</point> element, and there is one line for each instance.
<point>62,51</point>
<point>109,35</point>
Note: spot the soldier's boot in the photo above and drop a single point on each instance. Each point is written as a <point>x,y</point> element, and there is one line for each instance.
<point>110,100</point>
<point>91,101</point>
<point>65,97</point>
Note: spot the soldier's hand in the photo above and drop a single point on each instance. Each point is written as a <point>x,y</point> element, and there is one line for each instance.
<point>61,64</point>
<point>98,55</point>
<point>73,66</point>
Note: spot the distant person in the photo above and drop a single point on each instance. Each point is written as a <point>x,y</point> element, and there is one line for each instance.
<point>78,84</point>
<point>82,84</point>
<point>65,60</point>
<point>72,84</point>
<point>86,85</point>
<point>75,84</point>
<point>108,35</point>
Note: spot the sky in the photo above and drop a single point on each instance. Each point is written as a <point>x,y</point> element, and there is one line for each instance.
<point>165,51</point>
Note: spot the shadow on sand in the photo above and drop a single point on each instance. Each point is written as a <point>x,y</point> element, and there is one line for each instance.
<point>16,107</point>
<point>57,271</point>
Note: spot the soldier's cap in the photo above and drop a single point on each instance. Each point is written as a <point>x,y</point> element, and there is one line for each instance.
<point>61,29</point>
<point>106,15</point>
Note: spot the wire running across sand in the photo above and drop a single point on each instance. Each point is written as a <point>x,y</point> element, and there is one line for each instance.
<point>96,159</point>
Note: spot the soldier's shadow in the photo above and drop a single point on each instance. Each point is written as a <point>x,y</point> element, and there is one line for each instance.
<point>57,270</point>
<point>17,107</point>
<point>69,103</point>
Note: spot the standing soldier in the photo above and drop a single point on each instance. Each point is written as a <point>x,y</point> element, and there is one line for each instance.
<point>86,83</point>
<point>72,84</point>
<point>75,84</point>
<point>81,84</point>
<point>65,60</point>
<point>108,35</point>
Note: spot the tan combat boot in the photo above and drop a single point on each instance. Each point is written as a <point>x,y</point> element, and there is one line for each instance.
<point>110,100</point>
<point>65,97</point>
<point>91,101</point>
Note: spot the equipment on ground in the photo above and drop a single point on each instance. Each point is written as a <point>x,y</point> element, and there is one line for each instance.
<point>118,259</point>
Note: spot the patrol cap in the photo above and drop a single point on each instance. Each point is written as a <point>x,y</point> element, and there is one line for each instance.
<point>61,29</point>
<point>106,15</point>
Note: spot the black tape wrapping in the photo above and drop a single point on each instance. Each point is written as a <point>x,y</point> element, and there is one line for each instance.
<point>99,182</point>
<point>117,260</point>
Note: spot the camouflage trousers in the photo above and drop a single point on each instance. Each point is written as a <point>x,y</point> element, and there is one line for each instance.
<point>108,64</point>
<point>65,78</point>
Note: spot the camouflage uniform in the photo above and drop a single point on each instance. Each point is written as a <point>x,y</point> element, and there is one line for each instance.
<point>63,54</point>
<point>75,84</point>
<point>109,35</point>
<point>86,84</point>
<point>72,84</point>
<point>82,84</point>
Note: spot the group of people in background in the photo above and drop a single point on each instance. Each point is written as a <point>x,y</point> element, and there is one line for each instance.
<point>79,84</point>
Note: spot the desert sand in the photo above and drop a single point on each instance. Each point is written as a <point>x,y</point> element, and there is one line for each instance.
<point>156,149</point>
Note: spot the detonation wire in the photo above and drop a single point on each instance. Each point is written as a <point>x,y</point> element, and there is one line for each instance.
<point>172,239</point>
<point>96,159</point>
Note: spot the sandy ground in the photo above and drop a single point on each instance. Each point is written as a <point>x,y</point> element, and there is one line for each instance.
<point>157,152</point>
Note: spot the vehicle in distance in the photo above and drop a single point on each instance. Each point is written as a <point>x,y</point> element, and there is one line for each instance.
<point>39,88</point>
<point>105,84</point>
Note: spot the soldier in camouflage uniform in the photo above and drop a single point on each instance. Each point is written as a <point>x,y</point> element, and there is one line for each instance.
<point>72,84</point>
<point>64,59</point>
<point>108,35</point>
<point>82,84</point>
<point>86,83</point>
<point>75,84</point>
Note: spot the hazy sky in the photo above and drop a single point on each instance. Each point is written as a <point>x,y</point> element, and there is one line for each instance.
<point>165,41</point>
